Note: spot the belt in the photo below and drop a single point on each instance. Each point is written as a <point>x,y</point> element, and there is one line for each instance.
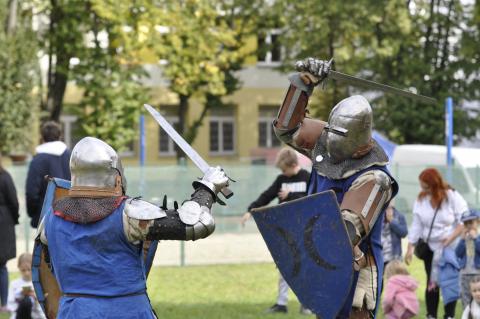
<point>75,295</point>
<point>363,261</point>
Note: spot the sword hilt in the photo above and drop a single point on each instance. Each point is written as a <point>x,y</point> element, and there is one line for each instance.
<point>226,192</point>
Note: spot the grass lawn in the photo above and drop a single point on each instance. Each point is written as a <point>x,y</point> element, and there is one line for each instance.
<point>230,291</point>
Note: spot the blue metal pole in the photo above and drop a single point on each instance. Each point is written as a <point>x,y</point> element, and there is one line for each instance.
<point>142,140</point>
<point>449,136</point>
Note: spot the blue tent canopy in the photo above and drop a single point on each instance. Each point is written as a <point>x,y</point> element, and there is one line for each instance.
<point>388,146</point>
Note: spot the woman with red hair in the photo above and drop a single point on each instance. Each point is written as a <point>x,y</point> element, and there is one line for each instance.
<point>437,213</point>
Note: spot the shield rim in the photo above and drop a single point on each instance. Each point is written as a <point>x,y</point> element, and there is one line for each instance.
<point>332,195</point>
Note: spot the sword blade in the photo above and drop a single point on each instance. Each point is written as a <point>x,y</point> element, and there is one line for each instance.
<point>186,148</point>
<point>180,141</point>
<point>374,85</point>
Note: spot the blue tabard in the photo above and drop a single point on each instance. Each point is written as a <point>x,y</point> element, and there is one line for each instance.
<point>320,183</point>
<point>96,259</point>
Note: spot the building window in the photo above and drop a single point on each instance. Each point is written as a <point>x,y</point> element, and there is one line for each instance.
<point>222,134</point>
<point>166,145</point>
<point>269,49</point>
<point>129,150</point>
<point>266,135</point>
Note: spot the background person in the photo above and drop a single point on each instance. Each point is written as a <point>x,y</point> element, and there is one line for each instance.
<point>393,230</point>
<point>8,219</point>
<point>52,159</point>
<point>22,302</point>
<point>289,185</point>
<point>400,299</point>
<point>435,198</point>
<point>472,311</point>
<point>468,254</point>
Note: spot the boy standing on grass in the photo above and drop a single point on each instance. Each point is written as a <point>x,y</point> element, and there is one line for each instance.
<point>468,255</point>
<point>290,185</point>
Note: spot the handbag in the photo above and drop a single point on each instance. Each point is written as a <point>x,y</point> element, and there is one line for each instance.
<point>422,250</point>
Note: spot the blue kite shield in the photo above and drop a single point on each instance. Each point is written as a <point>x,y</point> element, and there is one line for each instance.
<point>309,243</point>
<point>44,282</point>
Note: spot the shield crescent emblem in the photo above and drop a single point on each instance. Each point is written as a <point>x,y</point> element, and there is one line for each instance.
<point>44,282</point>
<point>308,241</point>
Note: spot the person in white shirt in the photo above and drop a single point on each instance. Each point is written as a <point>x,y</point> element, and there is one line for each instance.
<point>22,302</point>
<point>472,311</point>
<point>437,220</point>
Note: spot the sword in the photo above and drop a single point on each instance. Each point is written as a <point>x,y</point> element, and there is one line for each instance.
<point>191,153</point>
<point>353,80</point>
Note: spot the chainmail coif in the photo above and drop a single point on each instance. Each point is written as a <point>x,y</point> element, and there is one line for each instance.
<point>326,167</point>
<point>86,210</point>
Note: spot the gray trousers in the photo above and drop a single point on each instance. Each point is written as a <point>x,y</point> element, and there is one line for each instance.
<point>282,298</point>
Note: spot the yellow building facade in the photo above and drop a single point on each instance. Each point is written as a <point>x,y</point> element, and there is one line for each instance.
<point>238,133</point>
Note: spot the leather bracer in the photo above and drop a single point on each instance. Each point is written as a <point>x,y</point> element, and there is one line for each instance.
<point>291,126</point>
<point>363,203</point>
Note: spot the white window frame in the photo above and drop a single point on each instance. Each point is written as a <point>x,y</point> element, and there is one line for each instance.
<point>270,135</point>
<point>171,144</point>
<point>268,55</point>
<point>221,120</point>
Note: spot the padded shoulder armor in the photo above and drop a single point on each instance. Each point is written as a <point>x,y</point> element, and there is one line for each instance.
<point>142,210</point>
<point>366,198</point>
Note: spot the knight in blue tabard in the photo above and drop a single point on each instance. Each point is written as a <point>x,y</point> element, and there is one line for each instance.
<point>348,161</point>
<point>95,234</point>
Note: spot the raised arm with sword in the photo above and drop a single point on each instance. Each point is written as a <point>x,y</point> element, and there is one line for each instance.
<point>184,146</point>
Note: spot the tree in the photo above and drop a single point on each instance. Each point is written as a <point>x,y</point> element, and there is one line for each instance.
<point>19,74</point>
<point>332,29</point>
<point>244,18</point>
<point>203,44</point>
<point>85,44</point>
<point>113,95</point>
<point>61,40</point>
<point>402,43</point>
<point>430,59</point>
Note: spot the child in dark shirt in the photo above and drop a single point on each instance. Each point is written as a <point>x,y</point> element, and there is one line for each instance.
<point>289,185</point>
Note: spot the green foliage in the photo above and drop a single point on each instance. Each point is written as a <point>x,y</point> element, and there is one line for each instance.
<point>436,59</point>
<point>19,73</point>
<point>89,33</point>
<point>203,44</point>
<point>111,102</point>
<point>429,45</point>
<point>113,95</point>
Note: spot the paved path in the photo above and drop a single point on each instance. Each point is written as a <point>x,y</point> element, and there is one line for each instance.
<point>220,248</point>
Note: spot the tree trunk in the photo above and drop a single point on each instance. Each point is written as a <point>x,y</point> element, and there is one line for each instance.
<point>430,22</point>
<point>182,117</point>
<point>192,131</point>
<point>57,88</point>
<point>58,73</point>
<point>11,22</point>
